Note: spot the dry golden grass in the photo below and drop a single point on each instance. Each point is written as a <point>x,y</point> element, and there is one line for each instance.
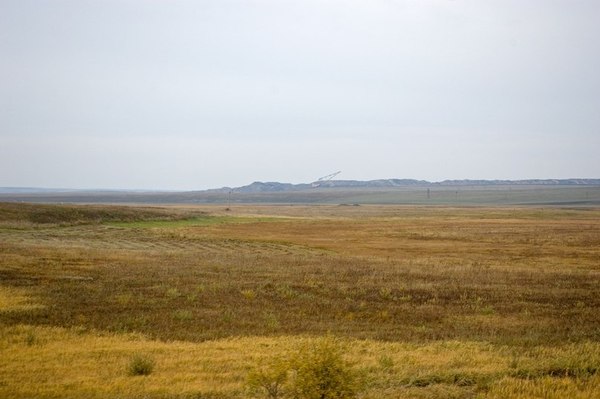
<point>432,302</point>
<point>546,387</point>
<point>16,300</point>
<point>60,362</point>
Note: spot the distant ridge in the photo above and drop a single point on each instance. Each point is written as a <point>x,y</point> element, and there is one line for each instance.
<point>529,182</point>
<point>546,192</point>
<point>277,187</point>
<point>273,187</point>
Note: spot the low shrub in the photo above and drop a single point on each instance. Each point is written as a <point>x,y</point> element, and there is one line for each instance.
<point>269,379</point>
<point>317,371</point>
<point>140,365</point>
<point>320,372</point>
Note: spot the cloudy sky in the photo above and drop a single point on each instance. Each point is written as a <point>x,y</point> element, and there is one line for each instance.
<point>170,94</point>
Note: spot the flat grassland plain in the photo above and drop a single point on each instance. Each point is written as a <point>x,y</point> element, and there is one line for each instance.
<point>427,302</point>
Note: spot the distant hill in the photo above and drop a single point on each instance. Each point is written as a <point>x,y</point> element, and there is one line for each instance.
<point>273,187</point>
<point>530,182</point>
<point>264,187</point>
<point>562,192</point>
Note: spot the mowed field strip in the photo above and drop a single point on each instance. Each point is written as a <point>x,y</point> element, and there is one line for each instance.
<point>123,238</point>
<point>429,302</point>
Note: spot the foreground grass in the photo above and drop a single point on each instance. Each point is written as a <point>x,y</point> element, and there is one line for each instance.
<point>76,363</point>
<point>430,302</point>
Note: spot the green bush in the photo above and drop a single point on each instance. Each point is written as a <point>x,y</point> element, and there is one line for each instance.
<point>270,379</point>
<point>320,372</point>
<point>141,365</point>
<point>316,371</point>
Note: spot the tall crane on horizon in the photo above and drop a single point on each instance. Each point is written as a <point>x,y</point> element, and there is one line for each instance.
<point>325,178</point>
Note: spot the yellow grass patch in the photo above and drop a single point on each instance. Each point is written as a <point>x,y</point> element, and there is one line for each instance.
<point>16,299</point>
<point>547,388</point>
<point>45,362</point>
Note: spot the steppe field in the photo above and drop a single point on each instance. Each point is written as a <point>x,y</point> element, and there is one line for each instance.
<point>101,301</point>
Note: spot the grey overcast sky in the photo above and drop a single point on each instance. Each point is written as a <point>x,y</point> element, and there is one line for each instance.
<point>170,94</point>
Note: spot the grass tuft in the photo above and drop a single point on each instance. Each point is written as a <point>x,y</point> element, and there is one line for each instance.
<point>140,365</point>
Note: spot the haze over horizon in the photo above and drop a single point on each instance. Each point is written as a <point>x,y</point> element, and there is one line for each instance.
<point>185,95</point>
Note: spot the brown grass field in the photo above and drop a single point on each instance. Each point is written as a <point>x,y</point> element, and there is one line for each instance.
<point>428,302</point>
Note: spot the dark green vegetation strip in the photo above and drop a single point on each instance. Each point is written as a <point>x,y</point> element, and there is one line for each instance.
<point>81,214</point>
